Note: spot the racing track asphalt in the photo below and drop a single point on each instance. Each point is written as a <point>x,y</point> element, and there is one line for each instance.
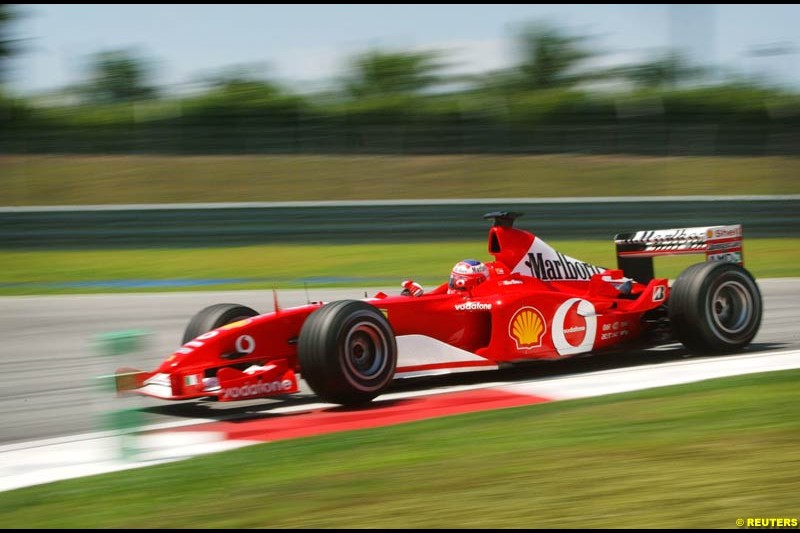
<point>49,364</point>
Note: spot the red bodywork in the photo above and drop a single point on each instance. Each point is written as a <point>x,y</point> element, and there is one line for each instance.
<point>536,304</point>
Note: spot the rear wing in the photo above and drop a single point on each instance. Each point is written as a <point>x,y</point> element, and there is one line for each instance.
<point>635,251</point>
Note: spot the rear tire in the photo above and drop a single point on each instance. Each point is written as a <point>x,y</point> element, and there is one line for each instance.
<point>347,352</point>
<point>715,307</point>
<point>215,316</point>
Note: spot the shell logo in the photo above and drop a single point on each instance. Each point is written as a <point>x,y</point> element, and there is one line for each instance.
<point>527,327</point>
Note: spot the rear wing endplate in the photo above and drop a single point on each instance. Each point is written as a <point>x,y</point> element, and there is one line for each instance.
<point>635,251</point>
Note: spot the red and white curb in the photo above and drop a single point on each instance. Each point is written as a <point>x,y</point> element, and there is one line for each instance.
<point>31,463</point>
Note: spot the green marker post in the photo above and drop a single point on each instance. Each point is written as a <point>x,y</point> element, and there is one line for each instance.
<point>121,415</point>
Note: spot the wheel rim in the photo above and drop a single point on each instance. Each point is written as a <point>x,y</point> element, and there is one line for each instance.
<point>366,352</point>
<point>731,307</point>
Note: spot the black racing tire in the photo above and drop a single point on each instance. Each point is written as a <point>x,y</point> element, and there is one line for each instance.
<point>347,352</point>
<point>715,307</point>
<point>215,316</point>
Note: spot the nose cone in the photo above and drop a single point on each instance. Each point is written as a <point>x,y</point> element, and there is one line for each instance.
<point>192,352</point>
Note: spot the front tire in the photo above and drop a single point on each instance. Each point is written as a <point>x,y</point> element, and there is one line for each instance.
<point>715,307</point>
<point>347,352</point>
<point>215,316</point>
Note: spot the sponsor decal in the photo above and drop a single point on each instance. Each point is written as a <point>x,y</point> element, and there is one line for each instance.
<point>730,257</point>
<point>574,327</point>
<point>727,232</point>
<point>658,293</point>
<point>236,324</point>
<point>682,238</point>
<point>560,267</point>
<point>188,348</point>
<point>385,312</point>
<point>719,246</point>
<point>257,389</point>
<point>511,282</point>
<point>665,240</point>
<point>198,342</point>
<point>527,327</point>
<point>543,262</point>
<point>473,306</point>
<point>191,380</point>
<point>613,334</point>
<point>680,235</point>
<point>252,369</point>
<point>245,344</point>
<point>613,330</point>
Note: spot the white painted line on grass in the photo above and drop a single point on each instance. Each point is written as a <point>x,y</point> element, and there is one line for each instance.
<point>389,203</point>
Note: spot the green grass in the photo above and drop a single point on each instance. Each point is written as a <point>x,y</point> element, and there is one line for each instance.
<point>283,266</point>
<point>64,180</point>
<point>693,456</point>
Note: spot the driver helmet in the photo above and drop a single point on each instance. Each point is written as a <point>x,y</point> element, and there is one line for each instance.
<point>467,275</point>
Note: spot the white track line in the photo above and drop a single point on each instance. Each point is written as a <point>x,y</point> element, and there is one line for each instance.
<point>660,375</point>
<point>30,463</point>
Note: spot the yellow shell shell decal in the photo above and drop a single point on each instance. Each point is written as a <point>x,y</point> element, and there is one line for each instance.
<point>236,324</point>
<point>527,328</point>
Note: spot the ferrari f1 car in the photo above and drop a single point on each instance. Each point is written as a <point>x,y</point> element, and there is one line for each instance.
<point>536,303</point>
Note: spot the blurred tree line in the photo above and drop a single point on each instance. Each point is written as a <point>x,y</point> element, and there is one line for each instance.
<point>552,100</point>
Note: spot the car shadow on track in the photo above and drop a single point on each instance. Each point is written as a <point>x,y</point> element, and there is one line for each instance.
<point>572,366</point>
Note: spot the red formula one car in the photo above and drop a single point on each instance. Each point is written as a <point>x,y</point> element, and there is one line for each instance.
<point>532,302</point>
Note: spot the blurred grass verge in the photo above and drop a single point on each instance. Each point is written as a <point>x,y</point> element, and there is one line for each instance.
<point>81,180</point>
<point>290,266</point>
<point>692,456</point>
